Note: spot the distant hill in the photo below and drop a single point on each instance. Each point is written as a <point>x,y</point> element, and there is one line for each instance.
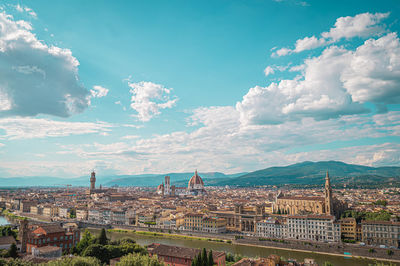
<point>314,173</point>
<point>119,180</point>
<point>179,179</point>
<point>305,173</point>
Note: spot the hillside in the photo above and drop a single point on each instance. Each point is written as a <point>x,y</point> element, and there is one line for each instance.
<point>314,173</point>
<point>305,173</point>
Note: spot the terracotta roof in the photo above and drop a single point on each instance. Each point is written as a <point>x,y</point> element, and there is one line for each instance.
<point>196,180</point>
<point>50,229</point>
<point>46,249</point>
<point>380,222</point>
<point>302,198</point>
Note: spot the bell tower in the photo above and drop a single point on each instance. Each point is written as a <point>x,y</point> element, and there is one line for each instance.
<point>93,180</point>
<point>328,195</point>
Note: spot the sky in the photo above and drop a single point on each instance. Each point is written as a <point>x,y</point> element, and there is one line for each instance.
<point>133,87</point>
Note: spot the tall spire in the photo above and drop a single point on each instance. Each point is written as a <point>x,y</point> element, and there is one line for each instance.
<point>327,180</point>
<point>328,195</point>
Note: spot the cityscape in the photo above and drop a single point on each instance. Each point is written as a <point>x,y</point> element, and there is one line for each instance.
<point>199,133</point>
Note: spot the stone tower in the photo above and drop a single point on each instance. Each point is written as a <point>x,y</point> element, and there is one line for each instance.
<point>23,234</point>
<point>93,181</point>
<point>167,187</point>
<point>328,195</point>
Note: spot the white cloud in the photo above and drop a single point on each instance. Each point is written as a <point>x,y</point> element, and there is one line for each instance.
<point>222,143</point>
<point>308,43</point>
<point>373,74</point>
<point>149,98</point>
<point>282,52</point>
<point>28,10</point>
<point>36,78</point>
<point>268,71</point>
<point>362,25</point>
<point>130,137</point>
<point>99,91</point>
<point>28,128</point>
<point>336,83</point>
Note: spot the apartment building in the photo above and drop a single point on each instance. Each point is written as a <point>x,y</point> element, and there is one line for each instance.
<point>271,228</point>
<point>381,233</point>
<point>322,228</point>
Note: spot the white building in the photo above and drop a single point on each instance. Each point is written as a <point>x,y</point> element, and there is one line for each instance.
<point>271,228</point>
<point>322,228</point>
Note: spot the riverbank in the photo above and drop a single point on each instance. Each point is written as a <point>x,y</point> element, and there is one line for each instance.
<point>324,253</point>
<point>177,236</point>
<point>247,249</point>
<point>359,253</point>
<point>11,215</point>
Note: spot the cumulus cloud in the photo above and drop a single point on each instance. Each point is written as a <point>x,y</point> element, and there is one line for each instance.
<point>362,25</point>
<point>98,91</point>
<point>149,98</point>
<point>373,74</point>
<point>36,78</point>
<point>29,128</point>
<point>220,142</point>
<point>336,83</point>
<point>269,71</point>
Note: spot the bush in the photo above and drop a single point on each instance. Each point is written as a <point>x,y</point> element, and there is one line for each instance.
<point>139,260</point>
<point>390,252</point>
<point>97,251</point>
<point>13,251</point>
<point>371,250</point>
<point>75,261</point>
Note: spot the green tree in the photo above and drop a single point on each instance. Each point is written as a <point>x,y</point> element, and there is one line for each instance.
<point>371,250</point>
<point>139,260</point>
<point>102,239</point>
<point>7,231</point>
<point>72,214</point>
<point>210,258</point>
<point>327,263</point>
<point>13,251</point>
<point>86,240</point>
<point>98,251</point>
<point>76,261</point>
<point>204,258</point>
<point>16,262</point>
<point>390,252</point>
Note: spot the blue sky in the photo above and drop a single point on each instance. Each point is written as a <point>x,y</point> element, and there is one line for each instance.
<point>131,87</point>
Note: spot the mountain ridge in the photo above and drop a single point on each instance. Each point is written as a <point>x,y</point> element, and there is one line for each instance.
<point>306,172</point>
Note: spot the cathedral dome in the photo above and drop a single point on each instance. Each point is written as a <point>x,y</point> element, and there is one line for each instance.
<point>195,181</point>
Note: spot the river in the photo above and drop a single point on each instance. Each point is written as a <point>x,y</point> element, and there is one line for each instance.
<point>246,251</point>
<point>3,220</point>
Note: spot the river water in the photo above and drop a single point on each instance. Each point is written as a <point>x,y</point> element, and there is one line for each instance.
<point>246,251</point>
<point>3,220</point>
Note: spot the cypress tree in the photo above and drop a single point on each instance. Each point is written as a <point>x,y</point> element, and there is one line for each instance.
<point>13,252</point>
<point>204,260</point>
<point>102,240</point>
<point>210,258</point>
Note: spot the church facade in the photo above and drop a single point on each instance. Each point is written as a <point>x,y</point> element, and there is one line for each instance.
<point>294,205</point>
